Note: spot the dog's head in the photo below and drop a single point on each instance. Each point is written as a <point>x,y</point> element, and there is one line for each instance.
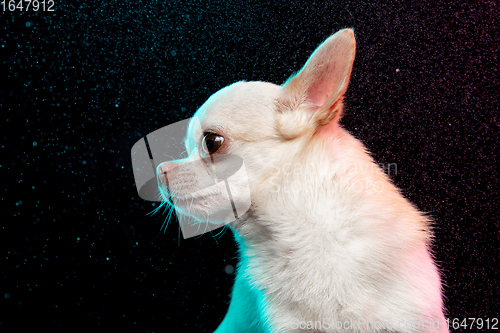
<point>242,135</point>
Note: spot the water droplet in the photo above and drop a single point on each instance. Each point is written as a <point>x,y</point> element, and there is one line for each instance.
<point>229,269</point>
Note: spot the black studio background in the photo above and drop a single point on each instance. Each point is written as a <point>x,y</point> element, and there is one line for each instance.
<point>80,85</point>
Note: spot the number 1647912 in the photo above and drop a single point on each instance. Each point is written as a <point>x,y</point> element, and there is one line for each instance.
<point>27,5</point>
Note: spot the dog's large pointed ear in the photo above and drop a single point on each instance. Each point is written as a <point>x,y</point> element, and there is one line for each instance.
<point>323,80</point>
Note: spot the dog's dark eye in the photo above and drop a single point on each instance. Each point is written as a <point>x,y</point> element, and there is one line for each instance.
<point>211,143</point>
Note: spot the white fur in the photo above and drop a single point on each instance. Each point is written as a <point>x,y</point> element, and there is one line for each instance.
<point>328,238</point>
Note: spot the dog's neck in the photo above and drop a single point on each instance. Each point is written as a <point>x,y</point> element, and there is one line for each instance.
<point>344,196</point>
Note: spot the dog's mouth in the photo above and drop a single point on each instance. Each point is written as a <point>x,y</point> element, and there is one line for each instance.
<point>187,198</point>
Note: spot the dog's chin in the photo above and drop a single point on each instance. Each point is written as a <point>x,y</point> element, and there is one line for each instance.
<point>203,209</point>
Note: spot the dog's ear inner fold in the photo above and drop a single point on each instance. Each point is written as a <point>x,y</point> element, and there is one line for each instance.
<point>323,80</point>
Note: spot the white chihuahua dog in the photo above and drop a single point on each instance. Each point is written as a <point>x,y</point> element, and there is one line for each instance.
<point>328,244</point>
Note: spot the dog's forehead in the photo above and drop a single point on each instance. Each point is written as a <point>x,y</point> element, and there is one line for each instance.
<point>250,102</point>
